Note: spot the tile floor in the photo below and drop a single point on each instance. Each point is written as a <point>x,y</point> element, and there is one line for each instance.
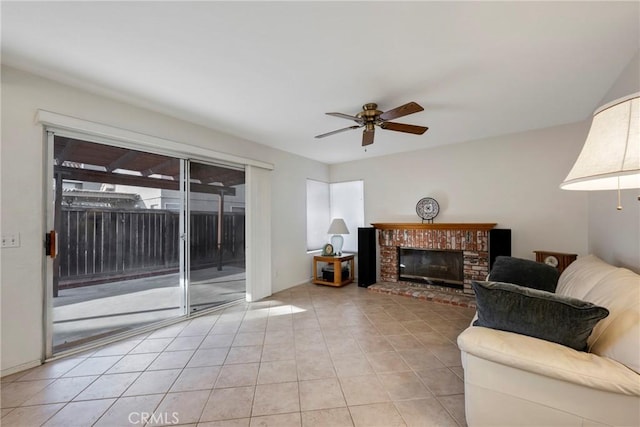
<point>307,356</point>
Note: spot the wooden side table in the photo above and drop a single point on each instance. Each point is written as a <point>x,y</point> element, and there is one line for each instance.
<point>558,260</point>
<point>336,261</point>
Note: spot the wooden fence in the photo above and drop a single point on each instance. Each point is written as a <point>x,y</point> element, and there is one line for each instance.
<point>101,243</point>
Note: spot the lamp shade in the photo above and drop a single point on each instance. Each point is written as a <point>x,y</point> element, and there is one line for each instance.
<point>610,157</point>
<point>338,227</point>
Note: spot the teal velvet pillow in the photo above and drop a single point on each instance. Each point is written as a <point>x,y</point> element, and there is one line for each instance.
<point>540,314</point>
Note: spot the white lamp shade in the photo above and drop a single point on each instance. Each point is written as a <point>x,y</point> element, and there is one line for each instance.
<point>338,227</point>
<point>610,157</point>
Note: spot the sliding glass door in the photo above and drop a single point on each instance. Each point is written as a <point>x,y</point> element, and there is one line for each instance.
<point>216,235</point>
<point>136,244</point>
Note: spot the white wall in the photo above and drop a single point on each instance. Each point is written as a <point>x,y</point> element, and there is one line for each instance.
<point>22,186</point>
<point>614,235</point>
<point>511,180</point>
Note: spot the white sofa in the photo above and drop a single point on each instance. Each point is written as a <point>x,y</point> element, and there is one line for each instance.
<point>517,380</point>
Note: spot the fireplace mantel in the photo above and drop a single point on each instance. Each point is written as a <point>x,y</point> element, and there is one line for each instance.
<point>432,226</point>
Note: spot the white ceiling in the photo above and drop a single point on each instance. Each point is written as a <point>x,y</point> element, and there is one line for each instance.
<point>268,71</point>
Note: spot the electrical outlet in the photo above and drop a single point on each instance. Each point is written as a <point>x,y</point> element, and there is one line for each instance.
<point>11,240</point>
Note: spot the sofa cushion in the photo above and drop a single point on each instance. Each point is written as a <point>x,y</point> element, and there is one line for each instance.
<point>582,275</point>
<point>536,313</point>
<point>524,272</point>
<point>618,336</point>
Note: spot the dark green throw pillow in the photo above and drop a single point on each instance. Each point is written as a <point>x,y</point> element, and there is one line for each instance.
<point>540,314</point>
<point>524,272</point>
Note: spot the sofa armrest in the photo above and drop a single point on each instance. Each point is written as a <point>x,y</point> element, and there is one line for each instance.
<point>549,359</point>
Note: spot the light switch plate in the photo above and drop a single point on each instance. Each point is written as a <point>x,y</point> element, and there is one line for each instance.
<point>11,240</point>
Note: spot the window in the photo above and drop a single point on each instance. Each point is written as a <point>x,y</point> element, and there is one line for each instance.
<point>338,200</point>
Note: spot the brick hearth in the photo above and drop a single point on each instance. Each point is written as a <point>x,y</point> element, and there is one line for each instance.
<point>471,239</point>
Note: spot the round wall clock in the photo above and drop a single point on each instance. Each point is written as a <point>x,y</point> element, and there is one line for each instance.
<point>427,208</point>
<point>551,260</point>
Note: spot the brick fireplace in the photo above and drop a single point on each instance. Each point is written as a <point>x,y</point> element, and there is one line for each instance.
<point>470,238</point>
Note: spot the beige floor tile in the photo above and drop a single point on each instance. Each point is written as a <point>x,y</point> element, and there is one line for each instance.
<point>15,393</point>
<point>274,352</point>
<point>49,370</point>
<point>129,411</point>
<point>352,365</point>
<point>208,357</point>
<point>449,354</point>
<point>133,363</point>
<point>338,346</point>
<point>30,416</point>
<point>281,420</point>
<point>93,366</point>
<point>107,386</point>
<point>151,345</point>
<point>169,331</point>
<point>61,390</point>
<point>335,417</point>
<point>217,340</point>
<point>280,323</point>
<point>273,399</point>
<point>363,390</point>
<point>171,360</point>
<point>391,328</point>
<point>180,408</point>
<point>151,382</point>
<point>458,370</point>
<point>277,372</point>
<point>454,404</point>
<point>431,338</point>
<point>424,412</point>
<point>420,360</point>
<point>405,342</point>
<point>198,326</point>
<point>377,415</point>
<point>374,344</point>
<point>80,414</point>
<point>284,336</point>
<point>228,403</point>
<point>248,338</point>
<point>416,326</point>
<point>321,394</point>
<point>224,327</point>
<point>404,385</point>
<point>190,379</point>
<point>442,382</point>
<point>117,349</point>
<point>241,422</point>
<point>239,375</point>
<point>185,343</point>
<point>248,354</point>
<point>310,368</point>
<point>253,325</point>
<point>387,361</point>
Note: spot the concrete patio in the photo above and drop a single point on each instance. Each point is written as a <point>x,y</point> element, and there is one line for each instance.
<point>86,313</point>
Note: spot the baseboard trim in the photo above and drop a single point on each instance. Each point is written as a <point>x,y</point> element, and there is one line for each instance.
<point>20,368</point>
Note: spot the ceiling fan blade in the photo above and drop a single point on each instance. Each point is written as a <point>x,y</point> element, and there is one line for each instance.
<point>402,127</point>
<point>367,137</point>
<point>345,116</point>
<point>400,111</point>
<point>333,132</point>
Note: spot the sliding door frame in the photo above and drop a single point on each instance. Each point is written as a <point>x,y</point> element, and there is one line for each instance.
<point>57,124</point>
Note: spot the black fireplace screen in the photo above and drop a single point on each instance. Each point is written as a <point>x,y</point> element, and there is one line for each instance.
<point>440,267</point>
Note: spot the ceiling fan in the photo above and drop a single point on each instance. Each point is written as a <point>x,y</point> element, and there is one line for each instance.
<point>370,117</point>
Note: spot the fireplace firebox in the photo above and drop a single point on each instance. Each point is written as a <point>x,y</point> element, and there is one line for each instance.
<point>432,267</point>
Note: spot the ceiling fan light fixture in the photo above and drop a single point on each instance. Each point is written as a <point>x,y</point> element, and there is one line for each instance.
<point>370,117</point>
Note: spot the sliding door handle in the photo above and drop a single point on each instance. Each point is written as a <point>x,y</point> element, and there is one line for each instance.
<point>51,244</point>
